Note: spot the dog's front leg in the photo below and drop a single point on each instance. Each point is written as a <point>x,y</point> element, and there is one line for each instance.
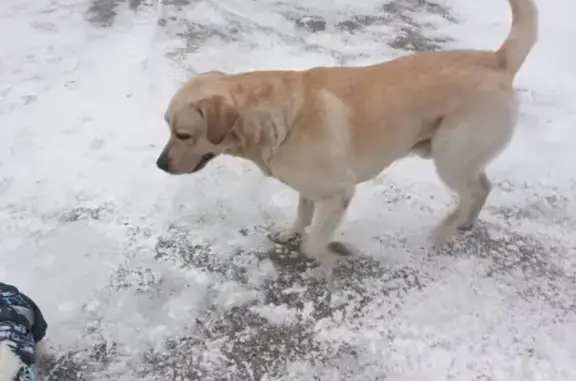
<point>328,214</point>
<point>303,219</point>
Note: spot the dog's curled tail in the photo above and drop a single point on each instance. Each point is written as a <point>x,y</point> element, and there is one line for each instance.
<point>522,37</point>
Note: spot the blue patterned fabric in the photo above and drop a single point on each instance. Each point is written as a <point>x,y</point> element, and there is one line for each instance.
<point>26,373</point>
<point>21,327</point>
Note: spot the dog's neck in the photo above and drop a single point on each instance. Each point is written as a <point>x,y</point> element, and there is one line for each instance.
<point>256,138</point>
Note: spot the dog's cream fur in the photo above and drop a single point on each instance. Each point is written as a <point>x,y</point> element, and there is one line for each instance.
<point>10,364</point>
<point>324,130</point>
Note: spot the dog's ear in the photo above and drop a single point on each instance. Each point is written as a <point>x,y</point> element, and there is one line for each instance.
<point>219,117</point>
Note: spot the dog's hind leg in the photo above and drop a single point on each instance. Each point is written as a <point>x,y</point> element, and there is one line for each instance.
<point>461,148</point>
<point>473,189</point>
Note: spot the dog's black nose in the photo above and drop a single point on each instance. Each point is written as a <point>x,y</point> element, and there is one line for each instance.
<point>163,163</point>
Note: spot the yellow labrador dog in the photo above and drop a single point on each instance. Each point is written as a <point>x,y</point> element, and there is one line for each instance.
<point>324,130</point>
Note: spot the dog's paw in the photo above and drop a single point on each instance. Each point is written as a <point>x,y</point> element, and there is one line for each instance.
<point>442,235</point>
<point>282,235</point>
<point>466,227</point>
<point>327,256</point>
<point>340,248</point>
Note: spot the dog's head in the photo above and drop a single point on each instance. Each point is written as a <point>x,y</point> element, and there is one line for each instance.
<point>198,133</point>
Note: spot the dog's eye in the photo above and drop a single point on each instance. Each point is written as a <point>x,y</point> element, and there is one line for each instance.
<point>182,136</point>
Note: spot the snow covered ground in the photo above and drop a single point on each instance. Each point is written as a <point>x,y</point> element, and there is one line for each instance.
<point>143,276</point>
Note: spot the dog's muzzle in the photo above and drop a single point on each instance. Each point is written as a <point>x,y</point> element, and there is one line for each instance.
<point>163,162</point>
<point>203,161</point>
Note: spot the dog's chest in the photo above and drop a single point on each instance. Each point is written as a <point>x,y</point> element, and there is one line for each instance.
<point>310,180</point>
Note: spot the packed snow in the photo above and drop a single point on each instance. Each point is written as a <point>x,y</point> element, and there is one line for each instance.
<point>143,276</point>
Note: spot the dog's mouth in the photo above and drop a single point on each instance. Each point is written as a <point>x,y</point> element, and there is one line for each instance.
<point>203,161</point>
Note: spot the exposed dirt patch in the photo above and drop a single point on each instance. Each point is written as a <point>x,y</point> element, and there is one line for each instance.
<point>413,39</point>
<point>85,213</point>
<point>411,34</point>
<point>311,24</point>
<point>78,365</point>
<point>102,12</point>
<point>402,8</point>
